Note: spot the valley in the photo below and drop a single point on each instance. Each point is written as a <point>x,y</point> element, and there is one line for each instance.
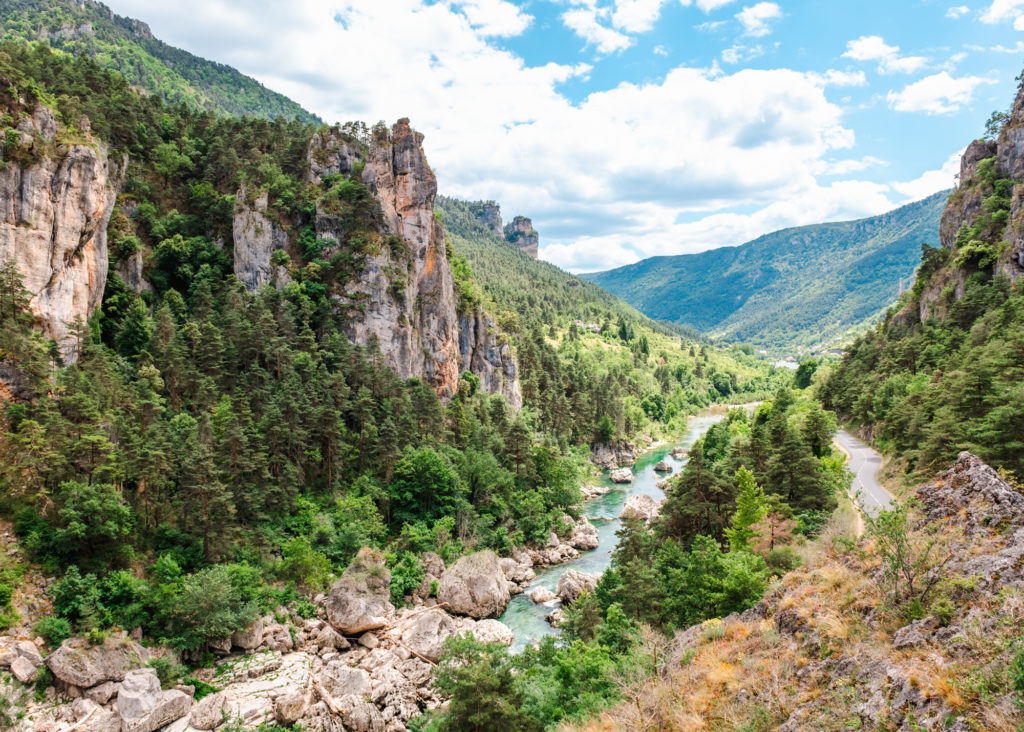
<point>293,441</point>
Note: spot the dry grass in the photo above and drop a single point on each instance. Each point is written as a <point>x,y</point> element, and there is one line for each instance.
<point>756,675</point>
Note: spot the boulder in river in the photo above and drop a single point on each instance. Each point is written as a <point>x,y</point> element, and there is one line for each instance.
<point>663,467</point>
<point>641,506</point>
<point>584,535</point>
<point>679,452</point>
<point>475,586</point>
<point>542,594</point>
<point>572,584</point>
<point>621,475</point>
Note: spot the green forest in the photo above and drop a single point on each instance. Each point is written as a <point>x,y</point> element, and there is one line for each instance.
<point>125,46</point>
<point>235,445</point>
<point>927,389</point>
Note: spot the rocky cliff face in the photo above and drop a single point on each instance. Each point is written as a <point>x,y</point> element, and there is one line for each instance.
<point>520,232</point>
<point>402,299</point>
<point>967,204</point>
<point>55,202</point>
<point>489,214</point>
<point>256,238</point>
<point>489,357</point>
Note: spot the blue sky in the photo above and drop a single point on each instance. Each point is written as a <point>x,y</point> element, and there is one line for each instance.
<point>632,128</point>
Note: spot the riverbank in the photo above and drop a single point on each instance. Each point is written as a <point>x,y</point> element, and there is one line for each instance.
<point>525,618</point>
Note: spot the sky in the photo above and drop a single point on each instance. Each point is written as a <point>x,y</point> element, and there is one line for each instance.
<point>633,128</point>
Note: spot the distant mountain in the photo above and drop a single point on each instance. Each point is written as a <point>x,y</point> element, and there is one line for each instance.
<point>124,45</point>
<point>807,285</point>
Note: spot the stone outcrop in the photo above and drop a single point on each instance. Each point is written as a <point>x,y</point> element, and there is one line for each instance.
<point>360,600</point>
<point>144,707</point>
<point>608,455</point>
<point>55,203</point>
<point>488,213</point>
<point>520,233</point>
<point>663,467</point>
<point>256,238</point>
<point>488,354</point>
<point>621,475</point>
<point>641,506</point>
<point>966,205</point>
<point>403,298</point>
<point>475,585</point>
<point>80,664</point>
<point>425,634</point>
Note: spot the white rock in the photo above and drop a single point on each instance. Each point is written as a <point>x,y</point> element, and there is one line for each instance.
<point>621,475</point>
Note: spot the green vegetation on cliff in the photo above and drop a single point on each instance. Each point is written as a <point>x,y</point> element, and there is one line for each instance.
<point>944,371</point>
<point>808,285</point>
<point>127,47</point>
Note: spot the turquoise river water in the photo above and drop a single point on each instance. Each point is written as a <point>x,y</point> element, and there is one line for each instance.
<point>526,618</point>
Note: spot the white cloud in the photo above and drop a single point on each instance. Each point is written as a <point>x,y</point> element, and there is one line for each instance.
<point>634,170</point>
<point>584,22</point>
<point>1018,48</point>
<point>957,11</point>
<point>931,181</point>
<point>936,94</point>
<point>636,16</point>
<point>709,5</point>
<point>735,54</point>
<point>496,17</point>
<point>874,48</point>
<point>1001,11</point>
<point>757,19</point>
<point>845,167</point>
<point>660,51</point>
<point>834,77</point>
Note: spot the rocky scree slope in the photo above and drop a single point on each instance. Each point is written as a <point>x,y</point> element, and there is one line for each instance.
<point>829,649</point>
<point>359,664</point>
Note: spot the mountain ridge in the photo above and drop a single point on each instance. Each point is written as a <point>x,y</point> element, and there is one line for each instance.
<point>728,291</point>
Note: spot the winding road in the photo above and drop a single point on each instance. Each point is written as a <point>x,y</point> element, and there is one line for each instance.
<point>864,463</point>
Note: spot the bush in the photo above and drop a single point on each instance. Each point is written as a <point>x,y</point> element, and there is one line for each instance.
<point>53,630</point>
<point>304,565</point>
<point>782,559</point>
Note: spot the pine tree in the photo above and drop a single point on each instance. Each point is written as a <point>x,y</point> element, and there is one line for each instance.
<point>750,508</point>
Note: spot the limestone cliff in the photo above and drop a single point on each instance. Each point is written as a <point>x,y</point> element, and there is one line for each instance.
<point>256,238</point>
<point>520,232</point>
<point>489,214</point>
<point>402,297</point>
<point>489,356</point>
<point>989,196</point>
<point>55,202</point>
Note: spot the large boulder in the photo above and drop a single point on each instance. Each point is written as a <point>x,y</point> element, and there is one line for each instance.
<point>492,631</point>
<point>425,634</point>
<point>250,637</point>
<point>641,507</point>
<point>338,680</point>
<point>475,586</point>
<point>572,584</point>
<point>542,594</point>
<point>621,475</point>
<point>584,535</point>
<point>80,664</point>
<point>209,712</point>
<point>360,600</point>
<point>663,467</point>
<point>144,707</point>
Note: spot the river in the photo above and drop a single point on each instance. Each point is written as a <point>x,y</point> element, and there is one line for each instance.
<point>526,618</point>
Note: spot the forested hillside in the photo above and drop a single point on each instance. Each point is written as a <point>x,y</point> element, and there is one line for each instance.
<point>128,47</point>
<point>214,449</point>
<point>804,286</point>
<point>587,354</point>
<point>943,372</point>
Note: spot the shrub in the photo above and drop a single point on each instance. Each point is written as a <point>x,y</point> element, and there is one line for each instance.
<point>53,630</point>
<point>782,559</point>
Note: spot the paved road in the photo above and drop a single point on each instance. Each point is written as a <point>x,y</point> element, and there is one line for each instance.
<point>865,462</point>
